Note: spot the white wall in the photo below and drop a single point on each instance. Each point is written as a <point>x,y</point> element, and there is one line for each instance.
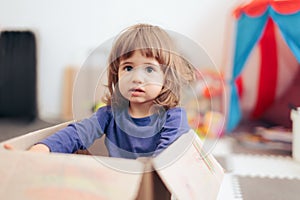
<point>68,29</point>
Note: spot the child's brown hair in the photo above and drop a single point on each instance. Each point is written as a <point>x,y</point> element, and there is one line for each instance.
<point>154,42</point>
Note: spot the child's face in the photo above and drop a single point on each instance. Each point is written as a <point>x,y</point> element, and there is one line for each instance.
<point>140,78</point>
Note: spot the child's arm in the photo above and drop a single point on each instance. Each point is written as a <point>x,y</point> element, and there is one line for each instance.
<point>79,135</point>
<point>63,141</point>
<point>176,124</point>
<point>76,136</point>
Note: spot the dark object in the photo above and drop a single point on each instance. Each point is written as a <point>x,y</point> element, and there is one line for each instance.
<point>18,75</point>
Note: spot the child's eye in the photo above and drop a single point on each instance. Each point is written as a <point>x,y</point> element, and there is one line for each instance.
<point>149,69</point>
<point>128,68</point>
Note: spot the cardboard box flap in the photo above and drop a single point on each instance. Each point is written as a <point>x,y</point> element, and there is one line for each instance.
<point>188,171</point>
<point>27,175</point>
<point>25,141</point>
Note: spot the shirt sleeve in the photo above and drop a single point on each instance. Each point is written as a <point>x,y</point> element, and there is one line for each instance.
<point>79,135</point>
<point>176,124</point>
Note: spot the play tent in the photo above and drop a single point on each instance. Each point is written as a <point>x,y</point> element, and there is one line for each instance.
<point>256,25</point>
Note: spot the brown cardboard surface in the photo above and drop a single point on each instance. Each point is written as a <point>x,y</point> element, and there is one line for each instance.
<point>28,175</point>
<point>194,174</point>
<point>183,170</point>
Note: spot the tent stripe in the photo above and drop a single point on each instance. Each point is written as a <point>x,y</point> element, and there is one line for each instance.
<point>268,70</point>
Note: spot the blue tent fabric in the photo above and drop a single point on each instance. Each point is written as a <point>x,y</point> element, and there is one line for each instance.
<point>249,30</point>
<point>246,38</point>
<point>289,26</point>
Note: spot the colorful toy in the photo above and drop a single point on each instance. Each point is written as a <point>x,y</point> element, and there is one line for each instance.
<point>203,104</point>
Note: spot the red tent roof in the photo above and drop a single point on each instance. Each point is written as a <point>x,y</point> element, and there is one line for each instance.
<point>258,7</point>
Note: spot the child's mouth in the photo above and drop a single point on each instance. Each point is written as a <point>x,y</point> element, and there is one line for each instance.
<point>136,91</point>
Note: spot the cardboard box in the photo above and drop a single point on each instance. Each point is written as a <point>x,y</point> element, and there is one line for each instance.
<point>183,171</point>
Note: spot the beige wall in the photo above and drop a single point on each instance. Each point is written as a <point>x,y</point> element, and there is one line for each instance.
<point>68,30</point>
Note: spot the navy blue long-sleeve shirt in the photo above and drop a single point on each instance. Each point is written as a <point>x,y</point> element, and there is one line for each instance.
<point>126,137</point>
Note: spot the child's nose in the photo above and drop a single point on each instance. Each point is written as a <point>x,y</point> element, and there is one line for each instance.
<point>137,76</point>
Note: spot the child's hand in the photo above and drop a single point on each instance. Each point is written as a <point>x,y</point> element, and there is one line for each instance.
<point>39,148</point>
<point>8,147</point>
